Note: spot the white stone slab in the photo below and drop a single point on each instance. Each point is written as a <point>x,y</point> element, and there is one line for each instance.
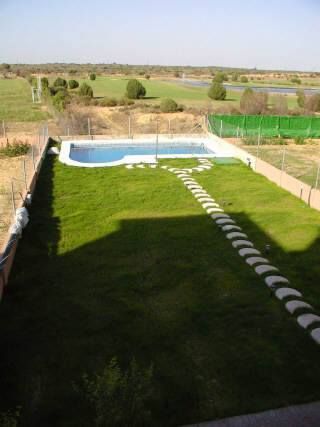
<point>272,280</point>
<point>190,182</point>
<point>164,167</point>
<point>293,305</point>
<point>129,166</point>
<point>316,335</point>
<point>221,215</point>
<point>231,227</point>
<point>237,243</point>
<point>209,205</point>
<point>205,167</point>
<point>153,166</point>
<point>206,199</point>
<point>248,251</point>
<point>225,221</point>
<point>53,150</point>
<point>183,176</point>
<point>187,170</point>
<point>262,269</point>
<point>199,169</point>
<point>178,172</point>
<point>287,292</point>
<point>306,320</point>
<point>255,260</point>
<point>140,166</point>
<point>201,195</point>
<point>212,210</point>
<point>173,169</point>
<point>198,191</point>
<point>235,234</point>
<point>194,186</point>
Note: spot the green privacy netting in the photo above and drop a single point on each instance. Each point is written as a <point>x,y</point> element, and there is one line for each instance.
<point>285,126</point>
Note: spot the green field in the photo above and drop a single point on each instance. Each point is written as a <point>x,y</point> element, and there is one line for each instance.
<point>126,263</point>
<point>16,102</point>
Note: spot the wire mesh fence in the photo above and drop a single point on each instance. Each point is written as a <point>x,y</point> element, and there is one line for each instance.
<point>16,175</point>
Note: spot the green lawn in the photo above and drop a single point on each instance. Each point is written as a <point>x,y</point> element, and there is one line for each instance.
<point>126,263</point>
<point>16,102</point>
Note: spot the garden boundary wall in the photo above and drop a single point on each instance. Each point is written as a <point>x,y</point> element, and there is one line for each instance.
<point>303,191</point>
<point>238,126</point>
<point>8,249</point>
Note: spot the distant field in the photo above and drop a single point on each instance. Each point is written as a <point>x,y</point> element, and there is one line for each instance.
<point>16,102</point>
<point>159,89</point>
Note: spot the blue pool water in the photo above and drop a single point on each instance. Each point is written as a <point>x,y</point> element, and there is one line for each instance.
<point>112,153</point>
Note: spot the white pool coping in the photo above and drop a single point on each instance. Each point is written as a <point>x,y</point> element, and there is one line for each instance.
<point>64,156</point>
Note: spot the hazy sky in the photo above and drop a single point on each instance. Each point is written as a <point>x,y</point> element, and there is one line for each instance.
<point>274,34</point>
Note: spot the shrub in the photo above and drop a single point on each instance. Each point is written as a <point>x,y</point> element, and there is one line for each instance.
<point>280,105</point>
<point>299,140</point>
<point>147,76</point>
<point>312,102</point>
<point>168,105</point>
<point>44,83</point>
<point>73,84</point>
<point>244,79</point>
<point>135,90</point>
<point>109,102</point>
<point>61,99</point>
<point>217,91</point>
<point>220,77</point>
<point>234,77</point>
<point>60,82</point>
<point>73,71</point>
<point>253,103</point>
<point>119,398</point>
<point>177,74</point>
<point>16,148</point>
<point>92,76</point>
<point>86,90</point>
<point>296,80</point>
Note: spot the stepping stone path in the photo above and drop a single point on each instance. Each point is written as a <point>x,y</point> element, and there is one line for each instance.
<point>292,306</point>
<point>249,253</point>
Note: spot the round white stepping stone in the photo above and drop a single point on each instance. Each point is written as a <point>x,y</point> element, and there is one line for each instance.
<point>272,280</point>
<point>140,166</point>
<point>193,186</point>
<point>187,170</point>
<point>230,227</point>
<point>292,306</point>
<point>248,251</point>
<point>183,176</point>
<point>255,260</point>
<point>237,243</point>
<point>235,234</point>
<point>164,167</point>
<point>173,169</point>
<point>261,269</point>
<point>316,335</point>
<point>307,319</point>
<point>205,167</point>
<point>211,210</point>
<point>153,166</point>
<point>206,199</point>
<point>190,182</point>
<point>225,221</point>
<point>201,195</point>
<point>129,166</point>
<point>196,191</point>
<point>287,292</point>
<point>199,169</point>
<point>210,205</point>
<point>221,215</point>
<point>177,172</point>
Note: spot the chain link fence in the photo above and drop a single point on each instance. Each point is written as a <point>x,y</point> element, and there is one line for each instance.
<point>16,175</point>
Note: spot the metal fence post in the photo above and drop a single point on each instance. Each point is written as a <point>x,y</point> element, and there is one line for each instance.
<point>317,178</point>
<point>4,129</point>
<point>259,137</point>
<point>68,131</point>
<point>32,152</point>
<point>282,165</point>
<point>157,140</point>
<point>24,172</point>
<point>39,144</point>
<point>220,128</point>
<point>89,127</point>
<point>169,125</point>
<point>129,126</point>
<point>12,198</point>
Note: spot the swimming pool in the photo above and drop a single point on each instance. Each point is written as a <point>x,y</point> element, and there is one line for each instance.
<point>117,152</point>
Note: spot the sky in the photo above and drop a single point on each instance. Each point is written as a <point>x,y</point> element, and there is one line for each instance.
<point>266,34</point>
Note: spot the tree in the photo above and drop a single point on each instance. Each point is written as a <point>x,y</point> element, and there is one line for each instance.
<point>86,90</point>
<point>92,76</point>
<point>301,97</point>
<point>168,105</point>
<point>234,77</point>
<point>220,77</point>
<point>280,105</point>
<point>147,76</point>
<point>253,102</point>
<point>44,83</point>
<point>312,103</point>
<point>73,84</point>
<point>217,91</point>
<point>135,90</point>
<point>296,80</point>
<point>244,79</point>
<point>60,82</point>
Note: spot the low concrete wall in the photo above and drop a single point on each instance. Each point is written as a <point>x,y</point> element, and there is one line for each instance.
<point>8,249</point>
